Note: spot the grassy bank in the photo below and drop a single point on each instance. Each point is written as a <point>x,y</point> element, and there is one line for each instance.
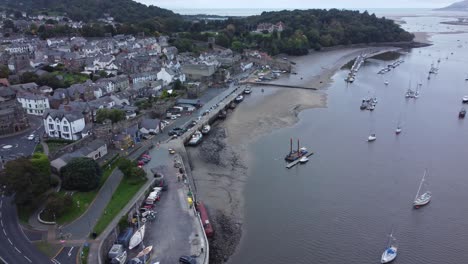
<point>82,200</point>
<point>125,191</point>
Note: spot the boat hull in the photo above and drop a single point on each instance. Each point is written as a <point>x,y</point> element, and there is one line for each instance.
<point>389,255</point>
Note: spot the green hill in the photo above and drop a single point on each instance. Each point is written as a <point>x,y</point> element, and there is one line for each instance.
<point>124,11</point>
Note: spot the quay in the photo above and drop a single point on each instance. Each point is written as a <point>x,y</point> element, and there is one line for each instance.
<point>281,85</point>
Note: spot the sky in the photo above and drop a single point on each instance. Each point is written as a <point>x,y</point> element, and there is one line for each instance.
<point>300,4</point>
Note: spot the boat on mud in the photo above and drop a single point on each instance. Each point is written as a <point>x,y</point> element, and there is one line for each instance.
<point>196,138</point>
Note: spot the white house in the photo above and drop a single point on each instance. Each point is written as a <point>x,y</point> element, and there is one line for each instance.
<point>35,104</point>
<point>166,75</point>
<point>63,124</point>
<point>20,48</point>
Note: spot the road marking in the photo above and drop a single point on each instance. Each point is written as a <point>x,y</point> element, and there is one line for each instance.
<point>56,261</point>
<point>1,222</point>
<point>58,253</point>
<point>4,231</point>
<point>69,252</point>
<point>27,259</point>
<point>4,261</point>
<point>11,243</point>
<point>1,203</point>
<point>17,250</point>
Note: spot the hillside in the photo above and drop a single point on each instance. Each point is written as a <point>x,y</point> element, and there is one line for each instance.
<point>458,6</point>
<point>124,11</point>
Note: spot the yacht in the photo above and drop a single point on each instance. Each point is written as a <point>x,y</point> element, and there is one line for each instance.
<point>371,138</point>
<point>196,138</point>
<point>398,130</point>
<point>390,252</point>
<point>422,199</point>
<point>465,99</point>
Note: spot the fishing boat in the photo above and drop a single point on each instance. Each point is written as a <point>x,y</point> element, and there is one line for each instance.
<point>145,253</point>
<point>398,130</point>
<point>386,82</point>
<point>371,138</point>
<point>423,199</point>
<point>136,239</point>
<point>462,113</point>
<point>303,160</point>
<point>390,252</point>
<point>196,138</point>
<point>206,129</point>
<point>364,104</point>
<point>296,154</point>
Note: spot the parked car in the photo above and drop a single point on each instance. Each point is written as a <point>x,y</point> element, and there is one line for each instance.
<point>187,260</point>
<point>146,156</point>
<point>31,137</point>
<point>37,139</point>
<point>161,182</point>
<point>140,163</point>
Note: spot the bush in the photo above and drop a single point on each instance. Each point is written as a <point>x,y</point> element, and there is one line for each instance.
<point>82,174</point>
<point>56,206</point>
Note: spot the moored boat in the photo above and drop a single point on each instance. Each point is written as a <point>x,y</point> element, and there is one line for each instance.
<point>465,99</point>
<point>303,160</point>
<point>145,253</point>
<point>423,199</point>
<point>371,138</point>
<point>398,130</point>
<point>390,252</point>
<point>296,154</point>
<point>206,129</point>
<point>137,238</point>
<point>196,138</point>
<point>462,113</point>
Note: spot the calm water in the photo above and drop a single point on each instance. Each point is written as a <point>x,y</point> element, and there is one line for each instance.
<point>340,207</point>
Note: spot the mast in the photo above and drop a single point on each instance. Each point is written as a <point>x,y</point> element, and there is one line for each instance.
<point>290,146</point>
<point>298,146</point>
<point>420,185</point>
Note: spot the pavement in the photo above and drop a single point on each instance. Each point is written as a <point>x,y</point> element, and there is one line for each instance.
<point>18,145</point>
<point>15,247</point>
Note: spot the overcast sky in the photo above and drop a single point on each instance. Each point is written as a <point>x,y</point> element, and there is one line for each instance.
<point>273,4</point>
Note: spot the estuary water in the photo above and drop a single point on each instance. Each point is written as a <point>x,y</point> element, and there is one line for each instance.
<point>341,205</point>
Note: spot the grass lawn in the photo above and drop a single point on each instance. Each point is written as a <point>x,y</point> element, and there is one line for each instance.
<point>84,255</point>
<point>71,78</point>
<point>125,191</point>
<point>49,250</point>
<point>39,149</point>
<point>84,199</point>
<point>55,146</point>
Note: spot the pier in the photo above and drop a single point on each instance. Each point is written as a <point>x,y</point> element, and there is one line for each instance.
<point>281,85</point>
<point>294,163</point>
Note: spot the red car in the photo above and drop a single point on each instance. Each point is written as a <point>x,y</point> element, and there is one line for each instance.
<point>146,156</point>
<point>205,219</point>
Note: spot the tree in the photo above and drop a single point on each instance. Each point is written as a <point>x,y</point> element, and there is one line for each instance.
<point>25,180</point>
<point>4,71</point>
<point>28,77</point>
<point>178,85</point>
<point>126,165</point>
<point>82,174</point>
<point>41,162</point>
<point>237,46</point>
<point>115,115</point>
<point>56,206</point>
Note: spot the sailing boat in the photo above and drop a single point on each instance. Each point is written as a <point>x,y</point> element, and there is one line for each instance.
<point>390,252</point>
<point>423,199</point>
<point>371,138</point>
<point>398,130</point>
<point>137,238</point>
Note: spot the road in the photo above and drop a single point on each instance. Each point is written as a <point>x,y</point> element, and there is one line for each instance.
<point>15,248</point>
<point>17,146</point>
<point>66,255</point>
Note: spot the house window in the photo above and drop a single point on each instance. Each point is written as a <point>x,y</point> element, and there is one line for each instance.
<point>30,106</point>
<point>65,122</point>
<point>51,126</point>
<point>65,129</point>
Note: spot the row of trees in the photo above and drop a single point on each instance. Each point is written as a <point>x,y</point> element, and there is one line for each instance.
<point>114,115</point>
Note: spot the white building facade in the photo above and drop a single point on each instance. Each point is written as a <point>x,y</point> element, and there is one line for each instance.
<point>34,104</point>
<point>64,125</point>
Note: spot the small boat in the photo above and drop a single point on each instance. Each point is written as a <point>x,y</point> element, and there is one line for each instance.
<point>398,130</point>
<point>390,252</point>
<point>462,113</point>
<point>371,107</point>
<point>386,82</point>
<point>120,259</point>
<point>303,160</point>
<point>196,138</point>
<point>364,105</point>
<point>206,129</point>
<point>247,90</point>
<point>145,252</point>
<point>239,98</point>
<point>371,138</point>
<point>136,239</point>
<point>465,99</point>
<point>423,199</point>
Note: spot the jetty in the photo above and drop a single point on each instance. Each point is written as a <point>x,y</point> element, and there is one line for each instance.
<point>294,163</point>
<point>355,68</point>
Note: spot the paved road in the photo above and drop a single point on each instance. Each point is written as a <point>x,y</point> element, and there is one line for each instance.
<point>67,255</point>
<point>15,248</point>
<point>18,145</point>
